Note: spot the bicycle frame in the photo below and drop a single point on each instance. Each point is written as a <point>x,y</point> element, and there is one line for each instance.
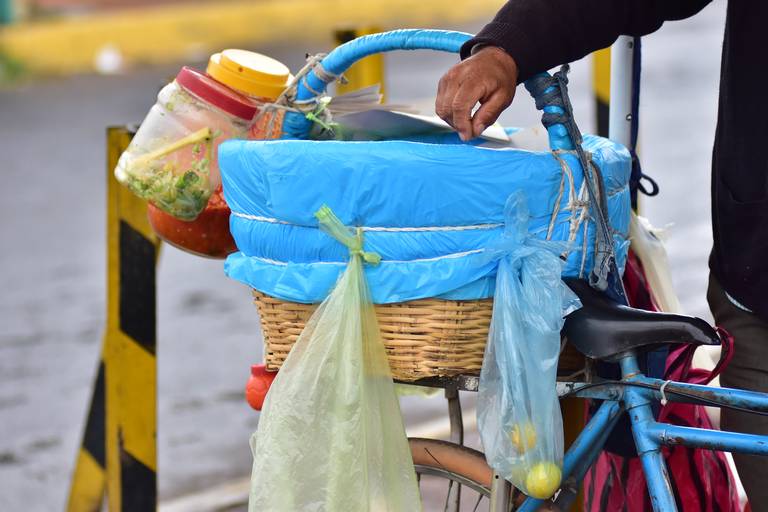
<point>634,394</point>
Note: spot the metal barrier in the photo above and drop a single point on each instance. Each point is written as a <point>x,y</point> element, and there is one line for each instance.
<point>118,454</point>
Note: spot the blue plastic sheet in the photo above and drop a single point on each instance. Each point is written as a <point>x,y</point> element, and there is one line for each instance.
<point>429,209</point>
<point>518,411</point>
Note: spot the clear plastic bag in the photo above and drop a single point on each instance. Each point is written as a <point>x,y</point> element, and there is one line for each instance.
<point>331,436</point>
<point>518,410</point>
<point>647,242</point>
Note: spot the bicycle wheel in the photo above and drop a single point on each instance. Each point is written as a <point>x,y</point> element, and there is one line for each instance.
<point>452,478</point>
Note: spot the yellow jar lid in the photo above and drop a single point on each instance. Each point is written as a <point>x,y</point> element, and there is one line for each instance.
<point>249,72</point>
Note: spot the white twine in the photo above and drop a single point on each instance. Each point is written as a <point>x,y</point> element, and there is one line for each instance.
<point>287,101</point>
<point>663,395</point>
<point>556,209</point>
<point>342,263</point>
<point>377,228</point>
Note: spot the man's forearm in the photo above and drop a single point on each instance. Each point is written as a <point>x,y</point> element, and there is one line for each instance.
<point>540,34</point>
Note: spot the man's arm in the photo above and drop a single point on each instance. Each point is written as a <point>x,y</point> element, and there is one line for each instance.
<point>540,34</point>
<point>530,36</point>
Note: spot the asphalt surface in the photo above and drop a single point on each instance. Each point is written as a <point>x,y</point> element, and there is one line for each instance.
<point>52,266</point>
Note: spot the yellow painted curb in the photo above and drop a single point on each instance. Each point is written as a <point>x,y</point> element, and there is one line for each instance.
<point>180,32</point>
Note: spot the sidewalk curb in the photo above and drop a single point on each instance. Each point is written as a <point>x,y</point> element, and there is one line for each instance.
<point>170,33</point>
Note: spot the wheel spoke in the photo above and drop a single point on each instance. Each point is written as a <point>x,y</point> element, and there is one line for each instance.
<point>448,495</point>
<point>479,499</point>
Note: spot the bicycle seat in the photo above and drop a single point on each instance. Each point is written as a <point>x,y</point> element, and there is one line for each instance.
<point>603,329</point>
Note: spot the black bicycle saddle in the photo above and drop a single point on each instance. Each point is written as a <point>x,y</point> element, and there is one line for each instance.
<point>603,329</point>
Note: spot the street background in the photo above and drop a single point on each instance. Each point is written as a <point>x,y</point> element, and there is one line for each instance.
<point>52,266</point>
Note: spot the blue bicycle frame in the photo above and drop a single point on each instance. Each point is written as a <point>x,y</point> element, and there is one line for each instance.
<point>634,395</point>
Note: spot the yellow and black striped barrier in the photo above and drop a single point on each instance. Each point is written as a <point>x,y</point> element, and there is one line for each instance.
<point>118,452</point>
<point>366,72</point>
<point>601,86</point>
<point>87,488</point>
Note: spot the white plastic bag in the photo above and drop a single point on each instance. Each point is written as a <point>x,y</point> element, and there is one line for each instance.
<point>647,242</point>
<point>518,411</point>
<point>331,436</point>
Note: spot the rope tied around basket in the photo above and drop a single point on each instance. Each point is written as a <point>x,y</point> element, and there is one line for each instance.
<point>330,224</point>
<point>551,96</point>
<point>314,108</point>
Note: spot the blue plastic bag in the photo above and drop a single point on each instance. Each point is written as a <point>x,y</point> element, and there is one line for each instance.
<point>518,411</point>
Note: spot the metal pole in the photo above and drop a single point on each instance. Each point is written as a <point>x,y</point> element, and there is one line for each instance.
<point>501,491</point>
<point>457,436</point>
<point>620,114</point>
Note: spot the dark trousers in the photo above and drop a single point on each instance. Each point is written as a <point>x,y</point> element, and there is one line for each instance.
<point>747,370</point>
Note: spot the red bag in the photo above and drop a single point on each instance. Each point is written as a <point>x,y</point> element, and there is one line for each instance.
<point>701,479</point>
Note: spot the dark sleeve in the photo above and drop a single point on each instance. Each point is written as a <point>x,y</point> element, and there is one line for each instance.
<point>540,34</point>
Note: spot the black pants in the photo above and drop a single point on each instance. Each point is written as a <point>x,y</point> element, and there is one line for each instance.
<point>748,370</point>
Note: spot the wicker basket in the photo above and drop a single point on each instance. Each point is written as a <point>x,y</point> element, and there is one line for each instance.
<point>423,338</point>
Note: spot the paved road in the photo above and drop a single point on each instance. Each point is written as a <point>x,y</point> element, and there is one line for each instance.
<point>52,263</point>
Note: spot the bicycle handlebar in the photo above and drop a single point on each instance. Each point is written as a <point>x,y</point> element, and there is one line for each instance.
<point>296,125</point>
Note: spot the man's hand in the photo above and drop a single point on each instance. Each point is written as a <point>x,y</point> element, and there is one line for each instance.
<point>489,77</point>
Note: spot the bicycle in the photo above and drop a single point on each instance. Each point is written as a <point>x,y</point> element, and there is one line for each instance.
<point>605,331</point>
<point>602,330</point>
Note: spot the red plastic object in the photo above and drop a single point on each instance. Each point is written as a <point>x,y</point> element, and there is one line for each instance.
<point>208,89</point>
<point>258,385</point>
<point>208,235</point>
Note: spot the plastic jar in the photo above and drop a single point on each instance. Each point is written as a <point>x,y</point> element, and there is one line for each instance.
<point>208,235</point>
<point>261,78</point>
<point>171,160</point>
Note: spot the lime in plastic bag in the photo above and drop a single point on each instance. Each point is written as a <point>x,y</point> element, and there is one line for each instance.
<point>331,436</point>
<point>518,411</point>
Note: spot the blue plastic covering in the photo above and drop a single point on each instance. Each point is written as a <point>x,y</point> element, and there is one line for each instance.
<point>444,201</point>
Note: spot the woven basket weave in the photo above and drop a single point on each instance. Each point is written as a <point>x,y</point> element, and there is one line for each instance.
<point>423,338</point>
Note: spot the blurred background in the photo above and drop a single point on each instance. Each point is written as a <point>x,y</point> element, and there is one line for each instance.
<point>70,68</point>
